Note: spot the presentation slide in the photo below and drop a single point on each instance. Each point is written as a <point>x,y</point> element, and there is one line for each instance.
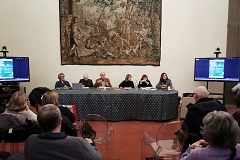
<point>6,68</point>
<point>216,68</point>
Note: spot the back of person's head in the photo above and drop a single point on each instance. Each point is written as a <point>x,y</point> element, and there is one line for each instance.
<point>48,117</point>
<point>50,97</point>
<point>200,92</point>
<point>18,102</point>
<point>35,96</point>
<point>220,129</point>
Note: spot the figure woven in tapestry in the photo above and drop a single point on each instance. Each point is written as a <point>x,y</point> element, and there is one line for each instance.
<point>110,32</point>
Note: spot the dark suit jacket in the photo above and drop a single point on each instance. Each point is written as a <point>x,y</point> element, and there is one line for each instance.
<point>60,84</point>
<point>97,84</point>
<point>87,83</point>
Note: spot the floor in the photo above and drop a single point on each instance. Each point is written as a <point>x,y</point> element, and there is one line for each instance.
<point>128,135</point>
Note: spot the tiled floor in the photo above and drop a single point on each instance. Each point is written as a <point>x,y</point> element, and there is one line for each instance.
<point>128,135</point>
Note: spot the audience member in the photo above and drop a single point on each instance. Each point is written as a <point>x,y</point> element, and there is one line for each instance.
<point>144,82</point>
<point>53,144</point>
<point>51,97</point>
<point>35,97</point>
<point>221,136</point>
<point>102,81</point>
<point>62,83</point>
<point>197,111</point>
<point>236,115</point>
<point>164,82</point>
<point>68,117</point>
<point>127,82</point>
<point>18,104</point>
<point>85,81</point>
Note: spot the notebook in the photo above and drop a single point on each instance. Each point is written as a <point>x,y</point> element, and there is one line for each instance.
<point>77,86</point>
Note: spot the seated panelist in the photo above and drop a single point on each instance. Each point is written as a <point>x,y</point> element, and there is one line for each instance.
<point>144,82</point>
<point>164,82</point>
<point>62,83</point>
<point>127,82</point>
<point>102,81</point>
<point>85,81</point>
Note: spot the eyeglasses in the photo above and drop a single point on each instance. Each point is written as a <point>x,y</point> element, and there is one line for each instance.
<point>28,101</point>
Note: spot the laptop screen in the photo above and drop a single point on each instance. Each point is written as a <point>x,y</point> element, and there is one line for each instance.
<point>76,86</point>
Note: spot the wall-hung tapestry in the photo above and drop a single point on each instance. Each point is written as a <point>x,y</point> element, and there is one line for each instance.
<point>115,32</point>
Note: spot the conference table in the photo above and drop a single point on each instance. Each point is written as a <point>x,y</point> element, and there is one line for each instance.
<point>122,105</point>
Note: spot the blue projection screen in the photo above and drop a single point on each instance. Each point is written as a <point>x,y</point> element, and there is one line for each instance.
<point>217,69</point>
<point>14,69</point>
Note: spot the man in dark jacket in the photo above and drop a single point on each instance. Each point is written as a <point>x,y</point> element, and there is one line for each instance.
<point>51,143</point>
<point>197,111</point>
<point>62,83</point>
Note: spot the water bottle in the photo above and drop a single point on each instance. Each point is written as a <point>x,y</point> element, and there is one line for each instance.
<point>136,85</point>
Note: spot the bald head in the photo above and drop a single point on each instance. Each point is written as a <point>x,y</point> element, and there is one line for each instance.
<point>200,92</point>
<point>102,75</point>
<point>85,76</point>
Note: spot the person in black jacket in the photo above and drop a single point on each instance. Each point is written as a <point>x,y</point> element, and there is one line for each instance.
<point>127,82</point>
<point>51,97</point>
<point>86,82</point>
<point>51,143</point>
<point>144,82</point>
<point>196,113</point>
<point>68,118</point>
<point>62,83</point>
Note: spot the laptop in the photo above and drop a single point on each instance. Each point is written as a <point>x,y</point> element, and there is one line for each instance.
<point>77,86</point>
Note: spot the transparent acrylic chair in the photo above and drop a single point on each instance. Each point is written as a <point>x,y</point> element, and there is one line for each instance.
<point>168,143</point>
<point>104,132</point>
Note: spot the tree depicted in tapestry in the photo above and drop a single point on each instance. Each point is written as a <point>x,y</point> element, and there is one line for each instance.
<point>110,32</point>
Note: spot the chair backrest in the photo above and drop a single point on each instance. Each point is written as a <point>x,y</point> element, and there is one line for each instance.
<point>185,102</point>
<point>104,132</point>
<point>170,139</point>
<point>98,123</point>
<point>146,143</point>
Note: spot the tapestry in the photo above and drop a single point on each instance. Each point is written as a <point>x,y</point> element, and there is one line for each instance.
<point>110,32</point>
